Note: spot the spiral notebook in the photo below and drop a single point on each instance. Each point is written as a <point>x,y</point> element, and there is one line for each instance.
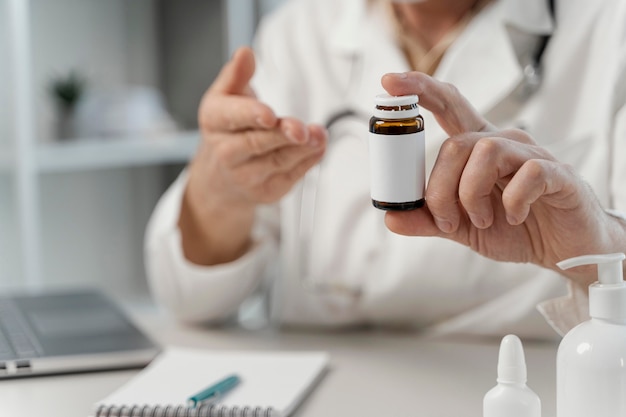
<point>272,384</point>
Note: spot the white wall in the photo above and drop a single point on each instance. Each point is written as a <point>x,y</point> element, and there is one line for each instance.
<point>92,222</point>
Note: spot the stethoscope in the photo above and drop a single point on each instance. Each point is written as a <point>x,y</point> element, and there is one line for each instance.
<point>531,81</point>
<point>533,71</point>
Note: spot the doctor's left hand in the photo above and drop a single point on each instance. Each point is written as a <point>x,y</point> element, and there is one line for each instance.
<point>500,193</point>
<point>248,156</point>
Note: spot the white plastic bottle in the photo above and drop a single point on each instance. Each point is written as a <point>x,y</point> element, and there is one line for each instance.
<point>511,397</point>
<point>591,360</point>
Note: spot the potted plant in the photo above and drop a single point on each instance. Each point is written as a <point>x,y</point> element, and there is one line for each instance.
<point>66,91</point>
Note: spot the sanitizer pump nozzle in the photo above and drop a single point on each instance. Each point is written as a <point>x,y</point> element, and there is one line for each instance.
<point>591,375</point>
<point>607,297</point>
<point>511,397</point>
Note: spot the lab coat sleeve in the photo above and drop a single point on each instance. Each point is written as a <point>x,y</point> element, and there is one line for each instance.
<point>565,313</point>
<point>194,293</point>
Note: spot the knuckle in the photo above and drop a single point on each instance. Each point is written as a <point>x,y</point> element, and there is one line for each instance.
<point>487,147</point>
<point>534,169</point>
<point>452,89</point>
<point>210,113</point>
<point>436,201</point>
<point>455,147</point>
<point>223,151</point>
<point>468,197</point>
<point>518,135</point>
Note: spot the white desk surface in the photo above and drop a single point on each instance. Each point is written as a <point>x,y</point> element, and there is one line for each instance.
<point>372,373</point>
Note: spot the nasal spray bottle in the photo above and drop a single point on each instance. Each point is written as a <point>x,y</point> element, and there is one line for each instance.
<point>591,360</point>
<point>511,397</point>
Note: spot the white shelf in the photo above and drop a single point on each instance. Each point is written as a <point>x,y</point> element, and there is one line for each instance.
<point>102,153</point>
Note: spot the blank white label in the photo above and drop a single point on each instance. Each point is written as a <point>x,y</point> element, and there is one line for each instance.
<point>397,172</point>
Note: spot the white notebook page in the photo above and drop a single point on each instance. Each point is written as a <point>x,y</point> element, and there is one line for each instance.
<point>268,379</point>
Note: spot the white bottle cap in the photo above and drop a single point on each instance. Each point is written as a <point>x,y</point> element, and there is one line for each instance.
<point>511,361</point>
<point>607,297</point>
<point>385,100</point>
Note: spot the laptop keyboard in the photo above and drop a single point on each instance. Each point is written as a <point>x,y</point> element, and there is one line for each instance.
<point>17,340</point>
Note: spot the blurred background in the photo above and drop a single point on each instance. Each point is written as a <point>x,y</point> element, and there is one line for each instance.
<point>98,102</point>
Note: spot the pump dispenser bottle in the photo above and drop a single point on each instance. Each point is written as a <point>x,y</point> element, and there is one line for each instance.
<point>511,397</point>
<point>591,360</point>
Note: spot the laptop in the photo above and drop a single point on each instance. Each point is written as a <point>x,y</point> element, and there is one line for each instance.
<point>51,333</point>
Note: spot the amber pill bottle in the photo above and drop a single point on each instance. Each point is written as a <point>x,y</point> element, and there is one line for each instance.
<point>396,149</point>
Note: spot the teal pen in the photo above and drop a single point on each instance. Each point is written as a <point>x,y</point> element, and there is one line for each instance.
<point>213,392</point>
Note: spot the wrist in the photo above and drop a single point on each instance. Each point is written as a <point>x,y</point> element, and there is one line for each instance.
<point>214,233</point>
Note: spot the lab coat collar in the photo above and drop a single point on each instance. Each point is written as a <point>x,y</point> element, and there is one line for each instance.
<point>485,80</point>
<point>482,63</point>
<point>531,16</point>
<point>346,37</point>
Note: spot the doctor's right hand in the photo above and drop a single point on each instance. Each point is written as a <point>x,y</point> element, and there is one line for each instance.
<point>248,156</point>
<point>502,194</point>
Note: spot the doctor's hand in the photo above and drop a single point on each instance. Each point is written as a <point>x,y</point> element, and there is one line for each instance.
<point>501,194</point>
<point>248,156</point>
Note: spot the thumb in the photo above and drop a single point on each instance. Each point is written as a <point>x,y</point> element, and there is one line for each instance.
<point>451,109</point>
<point>413,223</point>
<point>234,78</point>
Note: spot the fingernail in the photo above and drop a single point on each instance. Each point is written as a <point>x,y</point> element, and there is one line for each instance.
<point>399,75</point>
<point>513,221</point>
<point>477,221</point>
<point>443,225</point>
<point>314,141</point>
<point>290,135</point>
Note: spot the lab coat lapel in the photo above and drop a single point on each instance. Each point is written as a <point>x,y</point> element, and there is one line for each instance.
<point>372,50</point>
<point>482,63</point>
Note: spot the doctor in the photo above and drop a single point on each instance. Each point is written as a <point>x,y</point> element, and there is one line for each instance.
<point>274,201</point>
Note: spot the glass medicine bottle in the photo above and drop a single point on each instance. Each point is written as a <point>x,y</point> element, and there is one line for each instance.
<point>396,148</point>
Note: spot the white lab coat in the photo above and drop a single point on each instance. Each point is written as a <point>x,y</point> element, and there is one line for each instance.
<point>318,57</point>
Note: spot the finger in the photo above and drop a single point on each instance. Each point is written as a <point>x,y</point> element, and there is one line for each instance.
<point>492,159</point>
<point>234,113</point>
<point>535,179</point>
<point>279,184</point>
<point>452,111</point>
<point>234,78</point>
<point>296,131</point>
<point>442,192</point>
<point>236,149</point>
<point>280,161</point>
<point>318,135</point>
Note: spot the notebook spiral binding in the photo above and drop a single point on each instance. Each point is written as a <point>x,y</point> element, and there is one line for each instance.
<point>207,410</point>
